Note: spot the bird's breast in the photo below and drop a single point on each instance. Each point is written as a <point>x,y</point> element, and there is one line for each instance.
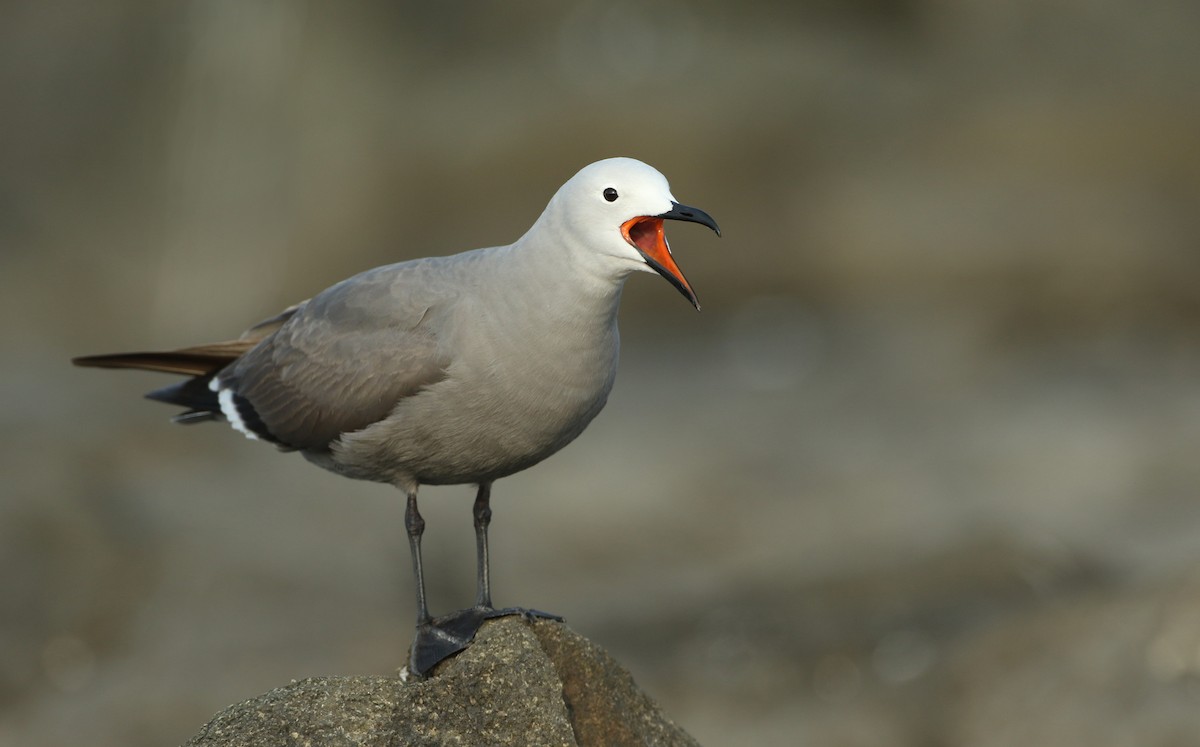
<point>510,402</point>
<point>542,393</point>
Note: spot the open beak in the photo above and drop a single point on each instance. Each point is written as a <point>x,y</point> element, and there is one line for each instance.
<point>645,233</point>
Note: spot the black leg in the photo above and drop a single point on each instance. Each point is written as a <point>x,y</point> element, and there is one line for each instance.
<point>416,527</point>
<point>442,637</point>
<point>482,512</point>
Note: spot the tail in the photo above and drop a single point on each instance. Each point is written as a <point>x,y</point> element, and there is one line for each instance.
<point>201,363</point>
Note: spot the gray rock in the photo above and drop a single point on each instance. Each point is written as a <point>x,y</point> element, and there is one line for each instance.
<point>519,683</point>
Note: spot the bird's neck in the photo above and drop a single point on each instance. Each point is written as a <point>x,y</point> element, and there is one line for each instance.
<point>572,279</point>
<point>568,313</point>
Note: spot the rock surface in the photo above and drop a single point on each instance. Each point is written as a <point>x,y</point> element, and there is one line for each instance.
<point>520,683</point>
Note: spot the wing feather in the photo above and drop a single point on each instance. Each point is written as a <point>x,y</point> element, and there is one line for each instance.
<point>342,361</point>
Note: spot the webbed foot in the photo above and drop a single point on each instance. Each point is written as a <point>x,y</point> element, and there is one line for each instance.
<point>442,637</point>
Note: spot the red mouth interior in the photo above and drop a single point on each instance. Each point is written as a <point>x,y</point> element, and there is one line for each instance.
<point>646,234</point>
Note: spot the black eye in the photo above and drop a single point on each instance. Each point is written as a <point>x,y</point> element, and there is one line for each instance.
<point>610,194</point>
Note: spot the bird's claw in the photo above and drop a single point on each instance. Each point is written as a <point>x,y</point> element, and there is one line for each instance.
<point>529,615</point>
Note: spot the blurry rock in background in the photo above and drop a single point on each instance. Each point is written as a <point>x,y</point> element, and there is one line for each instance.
<point>922,471</point>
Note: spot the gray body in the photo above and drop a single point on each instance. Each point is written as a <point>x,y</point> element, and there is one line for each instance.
<point>437,371</point>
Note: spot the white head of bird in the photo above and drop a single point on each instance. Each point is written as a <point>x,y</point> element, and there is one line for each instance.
<point>614,211</point>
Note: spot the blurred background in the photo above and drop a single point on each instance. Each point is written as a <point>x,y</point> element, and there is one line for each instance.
<point>923,472</point>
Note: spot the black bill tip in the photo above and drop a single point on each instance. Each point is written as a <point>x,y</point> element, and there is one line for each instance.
<point>691,215</point>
